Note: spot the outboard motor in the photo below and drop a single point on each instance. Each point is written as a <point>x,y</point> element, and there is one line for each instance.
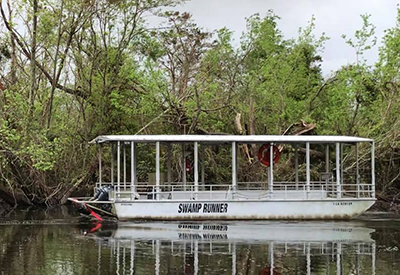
<point>102,193</point>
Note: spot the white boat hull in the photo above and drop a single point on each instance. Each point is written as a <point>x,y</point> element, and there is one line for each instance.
<point>242,210</point>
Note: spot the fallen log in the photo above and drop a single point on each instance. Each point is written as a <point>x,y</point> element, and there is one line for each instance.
<point>85,179</point>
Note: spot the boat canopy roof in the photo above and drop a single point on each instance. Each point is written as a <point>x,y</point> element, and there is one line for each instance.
<point>218,139</point>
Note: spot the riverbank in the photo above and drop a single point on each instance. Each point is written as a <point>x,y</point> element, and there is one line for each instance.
<point>385,206</point>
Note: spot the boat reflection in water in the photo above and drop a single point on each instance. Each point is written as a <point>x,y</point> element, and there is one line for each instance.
<point>240,248</point>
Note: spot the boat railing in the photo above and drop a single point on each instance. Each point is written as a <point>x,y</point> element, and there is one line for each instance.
<point>172,192</point>
<point>254,190</point>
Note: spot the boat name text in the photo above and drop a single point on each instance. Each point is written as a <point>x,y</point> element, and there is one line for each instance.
<point>203,207</point>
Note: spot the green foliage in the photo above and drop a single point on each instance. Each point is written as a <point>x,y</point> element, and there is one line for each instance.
<point>280,75</point>
<point>115,75</point>
<point>364,39</point>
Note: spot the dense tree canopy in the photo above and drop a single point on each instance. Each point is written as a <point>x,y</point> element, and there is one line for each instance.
<point>71,70</point>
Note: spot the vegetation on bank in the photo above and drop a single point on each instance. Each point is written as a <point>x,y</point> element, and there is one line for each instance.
<point>72,70</point>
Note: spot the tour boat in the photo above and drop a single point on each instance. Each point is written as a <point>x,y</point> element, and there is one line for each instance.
<point>339,189</point>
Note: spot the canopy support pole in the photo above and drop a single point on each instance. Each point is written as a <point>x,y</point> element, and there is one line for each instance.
<point>133,167</point>
<point>202,167</point>
<point>373,169</point>
<point>271,169</point>
<point>338,168</point>
<point>100,175</point>
<point>196,168</point>
<point>119,167</point>
<point>327,166</point>
<point>341,165</point>
<point>308,169</point>
<point>234,173</point>
<point>157,170</point>
<point>357,172</point>
<point>183,167</point>
<point>123,146</point>
<point>327,158</point>
<point>112,163</point>
<point>296,165</point>
<point>169,171</point>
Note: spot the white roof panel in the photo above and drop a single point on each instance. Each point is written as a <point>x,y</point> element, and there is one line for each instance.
<point>229,138</point>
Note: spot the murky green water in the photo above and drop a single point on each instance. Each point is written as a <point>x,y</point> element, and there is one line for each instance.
<point>57,242</point>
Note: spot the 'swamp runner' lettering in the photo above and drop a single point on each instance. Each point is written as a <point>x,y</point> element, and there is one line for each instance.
<point>206,208</point>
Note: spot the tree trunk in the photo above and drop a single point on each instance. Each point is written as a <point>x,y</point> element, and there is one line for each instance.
<point>13,69</point>
<point>33,57</point>
<point>55,78</point>
<point>252,126</point>
<point>239,129</point>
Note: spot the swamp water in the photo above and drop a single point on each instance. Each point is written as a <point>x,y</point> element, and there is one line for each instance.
<point>59,242</point>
